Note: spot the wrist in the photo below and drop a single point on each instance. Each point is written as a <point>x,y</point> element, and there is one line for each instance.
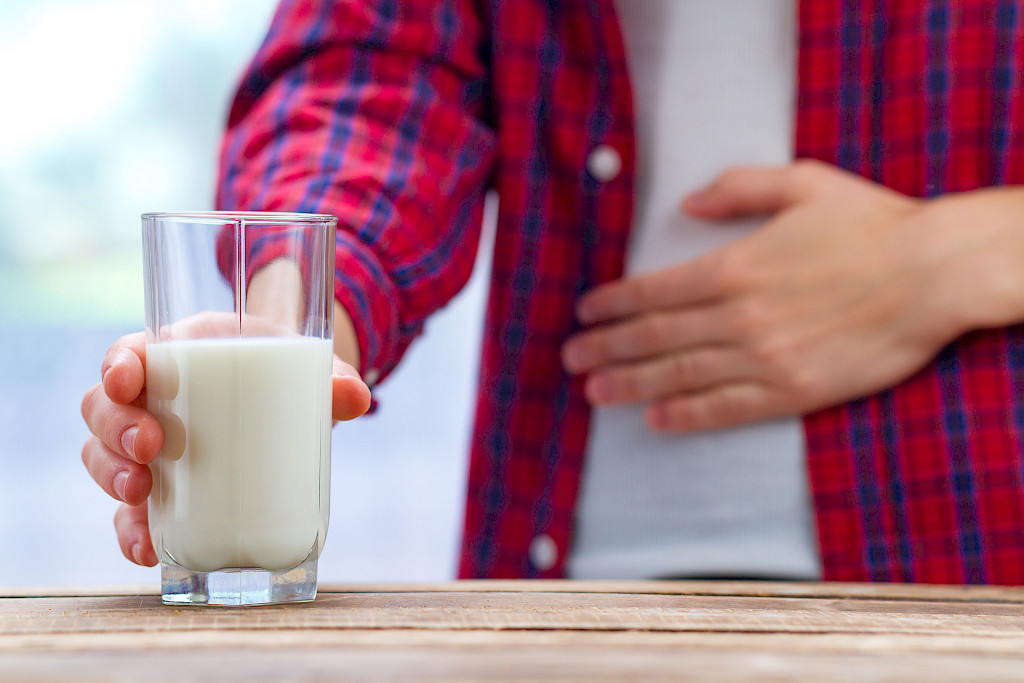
<point>275,294</point>
<point>974,243</point>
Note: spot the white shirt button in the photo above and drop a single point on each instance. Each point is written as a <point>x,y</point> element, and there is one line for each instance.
<point>543,552</point>
<point>604,163</point>
<point>371,376</point>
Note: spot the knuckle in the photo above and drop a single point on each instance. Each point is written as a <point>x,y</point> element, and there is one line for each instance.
<point>623,383</point>
<point>112,351</point>
<point>681,370</point>
<point>770,352</point>
<point>718,408</point>
<point>87,449</point>
<point>783,363</point>
<point>654,331</point>
<point>729,407</point>
<point>805,381</point>
<point>677,415</point>
<point>111,432</point>
<point>598,347</point>
<point>646,293</point>
<point>113,355</point>
<point>701,413</point>
<point>126,342</point>
<point>656,291</point>
<point>89,399</point>
<point>748,320</point>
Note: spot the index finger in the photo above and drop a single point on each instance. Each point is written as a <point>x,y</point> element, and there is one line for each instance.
<point>691,283</point>
<point>124,368</point>
<point>748,191</point>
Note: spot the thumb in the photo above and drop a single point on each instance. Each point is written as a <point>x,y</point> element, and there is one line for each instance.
<point>350,395</point>
<point>744,191</point>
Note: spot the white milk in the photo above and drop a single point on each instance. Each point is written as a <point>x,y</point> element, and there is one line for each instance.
<point>243,479</point>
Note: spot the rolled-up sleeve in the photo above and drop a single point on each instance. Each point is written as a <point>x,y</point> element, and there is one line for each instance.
<point>373,112</point>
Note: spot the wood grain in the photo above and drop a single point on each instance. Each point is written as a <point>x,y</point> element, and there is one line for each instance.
<point>526,630</point>
<point>889,591</point>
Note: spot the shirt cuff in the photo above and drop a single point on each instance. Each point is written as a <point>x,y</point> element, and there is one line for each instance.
<point>363,288</point>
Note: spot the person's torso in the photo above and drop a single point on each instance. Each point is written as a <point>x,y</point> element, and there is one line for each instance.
<point>713,87</point>
<point>923,99</point>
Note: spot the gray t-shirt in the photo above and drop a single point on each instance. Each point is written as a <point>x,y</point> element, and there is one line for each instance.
<point>714,86</point>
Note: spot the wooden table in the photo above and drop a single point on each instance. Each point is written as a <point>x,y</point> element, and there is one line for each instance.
<point>534,630</point>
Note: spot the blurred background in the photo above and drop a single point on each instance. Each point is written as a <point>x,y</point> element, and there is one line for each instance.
<point>112,108</point>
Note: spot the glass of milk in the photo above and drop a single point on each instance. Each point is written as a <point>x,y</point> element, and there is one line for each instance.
<point>239,329</point>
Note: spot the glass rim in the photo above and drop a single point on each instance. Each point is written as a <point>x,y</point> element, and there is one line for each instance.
<point>246,216</point>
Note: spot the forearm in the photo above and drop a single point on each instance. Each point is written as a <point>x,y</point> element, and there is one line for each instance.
<point>275,293</point>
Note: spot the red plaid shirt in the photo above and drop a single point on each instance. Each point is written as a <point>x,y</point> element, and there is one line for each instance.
<point>397,116</point>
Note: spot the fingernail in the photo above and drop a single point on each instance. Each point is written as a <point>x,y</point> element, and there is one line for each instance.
<point>137,553</point>
<point>121,484</point>
<point>128,440</point>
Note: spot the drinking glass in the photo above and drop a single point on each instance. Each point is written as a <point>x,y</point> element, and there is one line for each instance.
<point>239,329</point>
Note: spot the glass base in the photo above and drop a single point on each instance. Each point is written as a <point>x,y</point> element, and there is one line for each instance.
<point>237,587</point>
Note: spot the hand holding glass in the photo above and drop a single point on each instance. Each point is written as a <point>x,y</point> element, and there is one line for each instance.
<point>239,320</point>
